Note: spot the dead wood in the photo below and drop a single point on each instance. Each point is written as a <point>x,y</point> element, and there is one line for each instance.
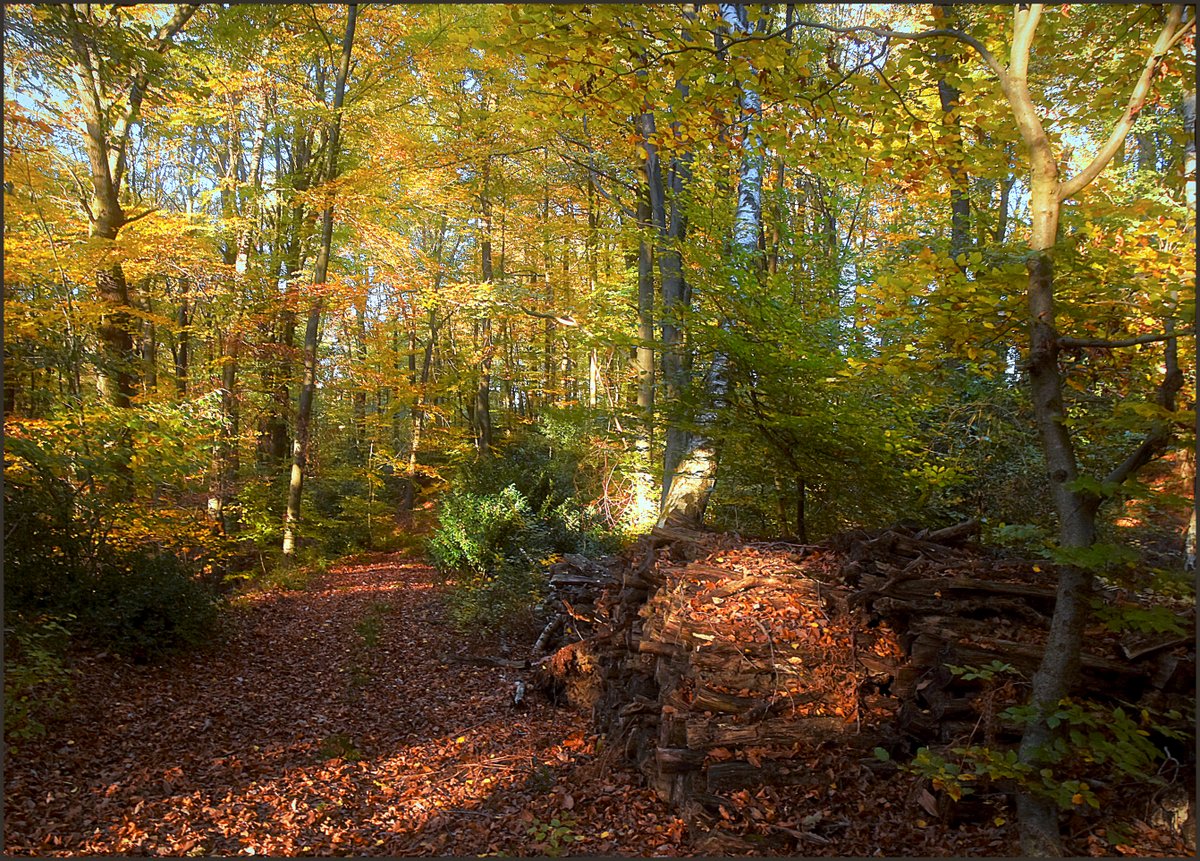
<point>713,664</point>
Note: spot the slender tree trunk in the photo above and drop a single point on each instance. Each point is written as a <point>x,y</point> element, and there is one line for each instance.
<point>781,508</point>
<point>670,235</point>
<point>225,454</point>
<point>359,398</point>
<point>645,347</point>
<point>247,235</point>
<point>481,412</point>
<point>1076,508</point>
<point>149,352</point>
<point>801,518</point>
<point>183,341</point>
<point>277,375</point>
<point>960,183</point>
<point>311,331</point>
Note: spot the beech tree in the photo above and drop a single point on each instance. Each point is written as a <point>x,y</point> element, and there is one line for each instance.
<point>293,275</point>
<point>320,274</point>
<point>111,69</point>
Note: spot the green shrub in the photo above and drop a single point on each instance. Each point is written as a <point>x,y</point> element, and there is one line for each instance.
<point>60,563</point>
<point>481,531</point>
<point>503,520</point>
<point>144,603</point>
<point>1095,745</point>
<point>496,547</point>
<point>37,681</point>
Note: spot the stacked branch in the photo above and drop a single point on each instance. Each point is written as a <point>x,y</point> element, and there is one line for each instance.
<point>715,664</point>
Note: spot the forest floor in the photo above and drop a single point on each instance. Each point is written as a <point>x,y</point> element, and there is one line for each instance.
<point>336,720</point>
<point>343,719</point>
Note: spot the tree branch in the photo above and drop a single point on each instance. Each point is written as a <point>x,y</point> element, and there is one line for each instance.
<point>1166,38</point>
<point>1160,431</point>
<point>1075,343</point>
<point>141,215</point>
<point>561,320</point>
<point>950,32</point>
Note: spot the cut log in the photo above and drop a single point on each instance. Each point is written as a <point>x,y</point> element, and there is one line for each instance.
<point>549,631</point>
<point>715,701</point>
<point>1023,656</point>
<point>951,534</point>
<point>673,760</point>
<point>725,777</point>
<point>592,569</point>
<point>705,733</point>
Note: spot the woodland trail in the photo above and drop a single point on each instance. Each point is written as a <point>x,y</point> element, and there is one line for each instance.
<point>334,720</point>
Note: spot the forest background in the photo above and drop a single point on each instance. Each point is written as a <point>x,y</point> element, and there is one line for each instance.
<point>287,282</point>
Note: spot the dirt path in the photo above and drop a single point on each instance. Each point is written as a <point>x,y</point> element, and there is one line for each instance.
<point>331,721</point>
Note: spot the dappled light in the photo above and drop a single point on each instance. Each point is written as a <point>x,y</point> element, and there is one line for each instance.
<point>517,429</point>
<point>297,737</point>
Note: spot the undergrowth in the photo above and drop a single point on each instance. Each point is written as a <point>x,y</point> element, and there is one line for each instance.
<point>502,522</point>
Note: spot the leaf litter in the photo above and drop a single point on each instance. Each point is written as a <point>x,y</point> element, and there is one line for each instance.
<point>300,734</point>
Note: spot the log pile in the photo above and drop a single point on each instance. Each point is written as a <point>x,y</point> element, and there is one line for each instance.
<point>715,663</point>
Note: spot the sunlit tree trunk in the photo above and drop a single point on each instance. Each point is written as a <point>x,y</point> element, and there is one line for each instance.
<point>692,479</point>
<point>311,331</point>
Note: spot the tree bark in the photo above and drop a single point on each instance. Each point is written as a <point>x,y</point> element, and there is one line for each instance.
<point>225,454</point>
<point>960,182</point>
<point>182,341</point>
<point>481,413</point>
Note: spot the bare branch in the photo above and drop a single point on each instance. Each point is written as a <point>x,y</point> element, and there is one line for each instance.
<point>979,48</point>
<point>182,15</point>
<point>141,215</point>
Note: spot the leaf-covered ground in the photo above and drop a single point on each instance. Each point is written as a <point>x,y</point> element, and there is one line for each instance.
<point>341,720</point>
<point>332,721</point>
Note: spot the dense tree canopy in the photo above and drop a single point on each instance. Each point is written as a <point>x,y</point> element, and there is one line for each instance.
<point>274,273</point>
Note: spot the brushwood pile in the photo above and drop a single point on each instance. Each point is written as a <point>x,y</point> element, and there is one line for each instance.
<point>721,666</point>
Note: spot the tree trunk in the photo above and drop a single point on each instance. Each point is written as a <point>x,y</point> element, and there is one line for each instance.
<point>1076,509</point>
<point>692,480</point>
<point>182,341</point>
<point>225,460</point>
<point>359,397</point>
<point>311,331</point>
<point>960,182</point>
<point>481,412</point>
<point>149,352</point>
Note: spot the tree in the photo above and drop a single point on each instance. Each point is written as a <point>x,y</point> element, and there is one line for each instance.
<point>688,483</point>
<point>320,275</point>
<point>111,68</point>
<point>1076,502</point>
<point>1076,499</point>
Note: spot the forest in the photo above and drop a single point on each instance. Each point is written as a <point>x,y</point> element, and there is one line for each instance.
<point>637,429</point>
